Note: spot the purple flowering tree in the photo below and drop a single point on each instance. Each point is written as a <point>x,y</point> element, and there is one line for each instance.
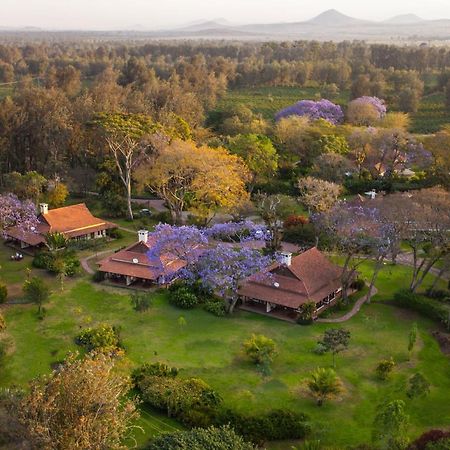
<point>183,242</point>
<point>366,110</point>
<point>322,109</point>
<point>16,213</point>
<point>218,268</point>
<point>242,231</point>
<point>222,268</point>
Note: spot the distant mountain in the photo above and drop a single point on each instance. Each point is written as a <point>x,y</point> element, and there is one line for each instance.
<point>206,25</point>
<point>404,19</point>
<point>334,18</point>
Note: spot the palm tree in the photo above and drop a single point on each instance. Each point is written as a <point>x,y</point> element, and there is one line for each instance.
<point>56,241</point>
<point>324,384</point>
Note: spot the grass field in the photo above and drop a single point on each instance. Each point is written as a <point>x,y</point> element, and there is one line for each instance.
<point>267,101</point>
<point>210,348</point>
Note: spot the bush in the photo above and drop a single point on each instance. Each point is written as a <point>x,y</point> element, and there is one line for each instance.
<point>98,277</point>
<point>430,437</point>
<point>46,260</point>
<point>103,338</point>
<point>306,316</point>
<point>157,369</point>
<point>384,368</point>
<point>320,349</point>
<point>140,301</point>
<point>300,234</point>
<point>192,401</point>
<point>182,297</point>
<point>269,426</point>
<point>115,233</point>
<point>88,244</point>
<point>423,305</point>
<point>216,307</point>
<point>3,293</point>
<point>438,294</point>
<point>223,438</point>
<point>358,284</point>
<point>163,217</point>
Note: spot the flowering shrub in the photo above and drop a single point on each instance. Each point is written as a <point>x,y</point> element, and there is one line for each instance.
<point>322,109</point>
<point>237,231</point>
<point>295,220</point>
<point>378,105</point>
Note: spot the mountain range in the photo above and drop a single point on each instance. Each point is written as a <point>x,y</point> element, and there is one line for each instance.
<point>329,25</point>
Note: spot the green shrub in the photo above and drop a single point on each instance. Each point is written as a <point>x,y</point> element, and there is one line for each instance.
<point>300,234</point>
<point>423,305</point>
<point>182,297</point>
<point>98,276</point>
<point>269,426</point>
<point>3,293</point>
<point>307,311</point>
<point>157,369</point>
<point>385,368</point>
<point>223,438</point>
<point>140,301</point>
<point>358,284</point>
<point>192,401</point>
<point>103,338</point>
<point>115,233</point>
<point>87,244</point>
<point>47,260</point>
<point>320,349</point>
<point>42,260</point>
<point>216,307</point>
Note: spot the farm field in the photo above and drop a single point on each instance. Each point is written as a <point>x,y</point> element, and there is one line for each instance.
<point>430,117</point>
<point>210,348</point>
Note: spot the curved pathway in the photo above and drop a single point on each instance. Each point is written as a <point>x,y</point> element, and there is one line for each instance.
<point>352,312</point>
<point>85,261</point>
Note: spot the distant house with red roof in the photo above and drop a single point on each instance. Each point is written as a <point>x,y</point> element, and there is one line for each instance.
<point>75,222</point>
<point>284,287</point>
<point>133,265</point>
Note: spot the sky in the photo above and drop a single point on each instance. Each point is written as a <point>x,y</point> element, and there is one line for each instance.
<point>157,14</point>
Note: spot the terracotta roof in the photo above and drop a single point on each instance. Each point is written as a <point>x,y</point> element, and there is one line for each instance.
<point>310,277</point>
<point>73,221</point>
<point>133,261</point>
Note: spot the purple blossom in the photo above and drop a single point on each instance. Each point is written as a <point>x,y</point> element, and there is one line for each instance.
<point>377,103</point>
<point>183,242</point>
<point>222,268</point>
<point>322,109</point>
<point>15,213</point>
<point>243,231</point>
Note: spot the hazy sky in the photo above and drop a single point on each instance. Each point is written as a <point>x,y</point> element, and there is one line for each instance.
<point>107,14</point>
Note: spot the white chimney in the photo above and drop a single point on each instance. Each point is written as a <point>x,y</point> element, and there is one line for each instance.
<point>286,258</point>
<point>143,235</point>
<point>43,207</point>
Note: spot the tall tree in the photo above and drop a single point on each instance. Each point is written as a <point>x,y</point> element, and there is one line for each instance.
<point>203,178</point>
<point>128,140</point>
<point>81,405</point>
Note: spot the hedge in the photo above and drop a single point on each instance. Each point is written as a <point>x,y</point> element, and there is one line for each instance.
<point>423,305</point>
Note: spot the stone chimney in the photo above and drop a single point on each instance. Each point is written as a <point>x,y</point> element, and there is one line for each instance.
<point>286,258</point>
<point>43,208</point>
<point>143,235</point>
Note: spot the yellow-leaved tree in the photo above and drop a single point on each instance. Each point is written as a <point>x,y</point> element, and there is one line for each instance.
<point>200,179</point>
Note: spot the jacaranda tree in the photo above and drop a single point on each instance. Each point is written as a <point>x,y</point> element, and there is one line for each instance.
<point>14,212</point>
<point>322,109</point>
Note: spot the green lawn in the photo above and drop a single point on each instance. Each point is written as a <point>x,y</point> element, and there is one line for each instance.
<point>210,347</point>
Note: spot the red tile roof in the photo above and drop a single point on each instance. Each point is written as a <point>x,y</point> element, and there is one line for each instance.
<point>310,277</point>
<point>134,262</point>
<point>73,221</point>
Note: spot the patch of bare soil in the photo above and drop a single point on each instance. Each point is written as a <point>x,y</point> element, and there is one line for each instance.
<point>443,341</point>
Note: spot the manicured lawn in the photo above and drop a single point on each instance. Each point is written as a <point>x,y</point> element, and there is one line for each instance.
<point>210,348</point>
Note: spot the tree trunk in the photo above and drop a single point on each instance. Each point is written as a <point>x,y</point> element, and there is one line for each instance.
<point>129,208</point>
<point>233,303</point>
<point>376,270</point>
